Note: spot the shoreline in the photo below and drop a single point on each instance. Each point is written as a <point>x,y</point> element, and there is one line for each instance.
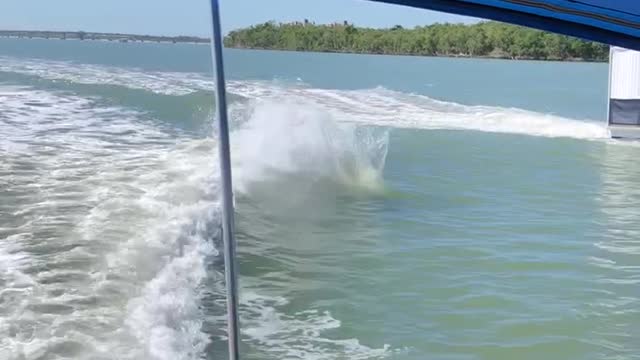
<point>98,36</point>
<point>450,56</point>
<point>133,38</point>
<point>483,40</point>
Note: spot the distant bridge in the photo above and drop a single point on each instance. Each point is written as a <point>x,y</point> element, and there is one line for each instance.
<point>81,35</point>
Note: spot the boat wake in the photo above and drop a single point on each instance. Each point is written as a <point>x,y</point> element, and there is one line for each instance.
<point>110,222</point>
<point>379,106</point>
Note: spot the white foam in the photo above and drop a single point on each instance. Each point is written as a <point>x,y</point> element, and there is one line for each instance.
<point>292,138</point>
<point>11,258</point>
<point>16,285</point>
<point>375,106</point>
<point>161,83</point>
<point>299,335</point>
<point>395,109</point>
<point>120,229</point>
<point>167,317</point>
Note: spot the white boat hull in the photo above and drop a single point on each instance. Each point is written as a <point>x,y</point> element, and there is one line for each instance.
<point>625,132</point>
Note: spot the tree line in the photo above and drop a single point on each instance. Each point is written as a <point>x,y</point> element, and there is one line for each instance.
<point>484,39</point>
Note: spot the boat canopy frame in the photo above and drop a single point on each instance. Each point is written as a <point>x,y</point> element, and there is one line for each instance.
<point>613,22</point>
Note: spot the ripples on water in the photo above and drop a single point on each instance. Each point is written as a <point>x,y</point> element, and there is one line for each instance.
<point>355,242</point>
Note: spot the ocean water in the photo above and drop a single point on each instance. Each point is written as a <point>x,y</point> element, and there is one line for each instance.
<point>387,207</point>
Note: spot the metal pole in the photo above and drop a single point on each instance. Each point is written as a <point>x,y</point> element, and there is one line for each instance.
<point>227,190</point>
<point>609,87</point>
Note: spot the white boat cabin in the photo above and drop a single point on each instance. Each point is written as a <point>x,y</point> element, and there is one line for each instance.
<point>624,93</point>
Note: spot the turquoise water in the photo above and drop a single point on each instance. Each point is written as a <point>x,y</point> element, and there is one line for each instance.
<point>387,207</point>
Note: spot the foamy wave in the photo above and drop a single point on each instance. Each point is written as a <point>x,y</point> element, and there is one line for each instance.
<point>395,109</point>
<point>123,224</point>
<point>168,83</point>
<point>167,317</point>
<point>389,108</point>
<point>300,335</point>
<point>16,285</point>
<point>375,106</point>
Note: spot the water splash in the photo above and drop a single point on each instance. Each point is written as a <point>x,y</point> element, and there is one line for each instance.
<point>300,140</point>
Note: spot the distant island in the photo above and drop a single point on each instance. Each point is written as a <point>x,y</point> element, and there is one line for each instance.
<point>81,35</point>
<point>487,39</point>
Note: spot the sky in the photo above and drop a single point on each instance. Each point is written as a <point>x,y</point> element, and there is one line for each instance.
<point>191,17</point>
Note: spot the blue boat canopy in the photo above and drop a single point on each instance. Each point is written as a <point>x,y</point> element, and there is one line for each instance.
<point>614,22</point>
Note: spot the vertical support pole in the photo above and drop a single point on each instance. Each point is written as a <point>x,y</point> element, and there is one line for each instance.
<point>609,85</point>
<point>226,186</point>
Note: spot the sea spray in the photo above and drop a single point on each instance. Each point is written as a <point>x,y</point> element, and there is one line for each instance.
<point>301,140</point>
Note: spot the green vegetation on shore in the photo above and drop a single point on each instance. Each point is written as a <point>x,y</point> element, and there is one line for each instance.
<point>484,39</point>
